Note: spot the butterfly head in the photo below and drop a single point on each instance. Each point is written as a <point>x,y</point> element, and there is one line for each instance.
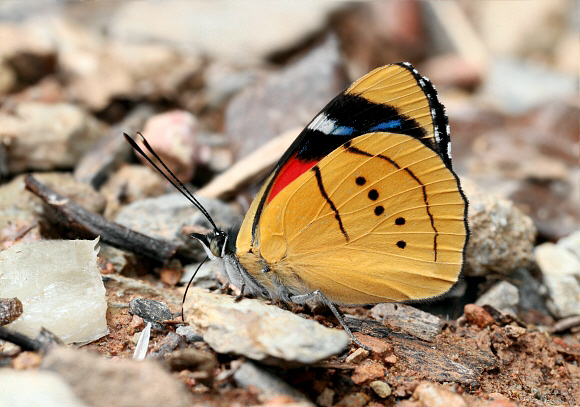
<point>214,242</point>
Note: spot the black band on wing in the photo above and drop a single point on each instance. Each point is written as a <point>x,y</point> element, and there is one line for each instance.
<point>332,205</point>
<point>355,116</point>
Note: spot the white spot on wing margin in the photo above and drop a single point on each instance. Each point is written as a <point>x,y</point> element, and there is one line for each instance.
<point>322,123</point>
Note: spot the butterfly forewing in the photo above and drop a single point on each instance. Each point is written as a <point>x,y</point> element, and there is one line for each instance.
<point>364,206</point>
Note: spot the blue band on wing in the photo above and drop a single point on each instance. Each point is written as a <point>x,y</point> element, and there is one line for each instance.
<point>391,124</point>
<point>342,130</point>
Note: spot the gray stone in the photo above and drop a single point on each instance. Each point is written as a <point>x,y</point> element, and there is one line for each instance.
<point>247,32</point>
<point>206,277</point>
<point>503,296</point>
<point>262,332</point>
<point>150,310</point>
<point>518,86</point>
<point>531,291</point>
<point>100,382</point>
<point>564,291</point>
<point>288,99</point>
<point>121,260</point>
<point>111,151</point>
<point>33,388</point>
<point>248,374</point>
<point>223,81</point>
<point>190,334</point>
<point>502,237</point>
<point>47,136</point>
<point>129,184</point>
<point>555,259</point>
<point>164,216</point>
<point>407,319</point>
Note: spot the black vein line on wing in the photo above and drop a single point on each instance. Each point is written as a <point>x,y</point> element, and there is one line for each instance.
<point>325,196</point>
<point>423,188</point>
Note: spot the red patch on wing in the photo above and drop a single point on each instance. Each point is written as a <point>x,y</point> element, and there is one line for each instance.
<point>289,172</point>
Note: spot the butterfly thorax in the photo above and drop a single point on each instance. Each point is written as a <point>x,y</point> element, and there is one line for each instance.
<point>219,247</point>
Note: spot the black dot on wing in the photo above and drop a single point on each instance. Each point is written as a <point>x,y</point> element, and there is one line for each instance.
<point>400,221</point>
<point>401,244</point>
<point>373,194</point>
<point>379,210</point>
<point>360,180</point>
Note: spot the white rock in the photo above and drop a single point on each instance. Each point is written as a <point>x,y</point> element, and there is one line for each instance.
<point>564,295</point>
<point>60,287</point>
<point>571,243</point>
<point>555,259</point>
<point>24,389</point>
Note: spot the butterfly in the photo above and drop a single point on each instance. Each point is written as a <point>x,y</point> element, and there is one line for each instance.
<point>363,207</point>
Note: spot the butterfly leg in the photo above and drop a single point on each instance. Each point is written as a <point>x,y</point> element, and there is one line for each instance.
<point>303,298</point>
<point>241,295</point>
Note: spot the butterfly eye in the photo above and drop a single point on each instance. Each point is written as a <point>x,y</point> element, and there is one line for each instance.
<point>217,244</point>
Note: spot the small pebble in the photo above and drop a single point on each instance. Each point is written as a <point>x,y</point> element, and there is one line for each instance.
<point>193,359</point>
<point>170,342</point>
<point>357,356</point>
<point>268,384</point>
<point>433,395</point>
<point>382,389</point>
<point>10,310</point>
<point>368,370</point>
<point>514,331</point>
<point>476,315</point>
<point>135,338</point>
<point>137,323</point>
<point>325,398</point>
<point>27,360</point>
<point>8,349</point>
<point>392,359</point>
<point>173,136</point>
<point>150,310</point>
<point>171,276</point>
<point>36,388</point>
<point>354,400</point>
<point>378,346</point>
<point>190,334</point>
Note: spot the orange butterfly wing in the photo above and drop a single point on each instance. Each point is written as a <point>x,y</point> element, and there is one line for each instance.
<point>379,219</point>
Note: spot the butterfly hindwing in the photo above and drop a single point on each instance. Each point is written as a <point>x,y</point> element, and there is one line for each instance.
<point>379,219</point>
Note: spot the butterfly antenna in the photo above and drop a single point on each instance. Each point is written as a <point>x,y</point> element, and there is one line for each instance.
<point>173,180</point>
<point>187,287</point>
